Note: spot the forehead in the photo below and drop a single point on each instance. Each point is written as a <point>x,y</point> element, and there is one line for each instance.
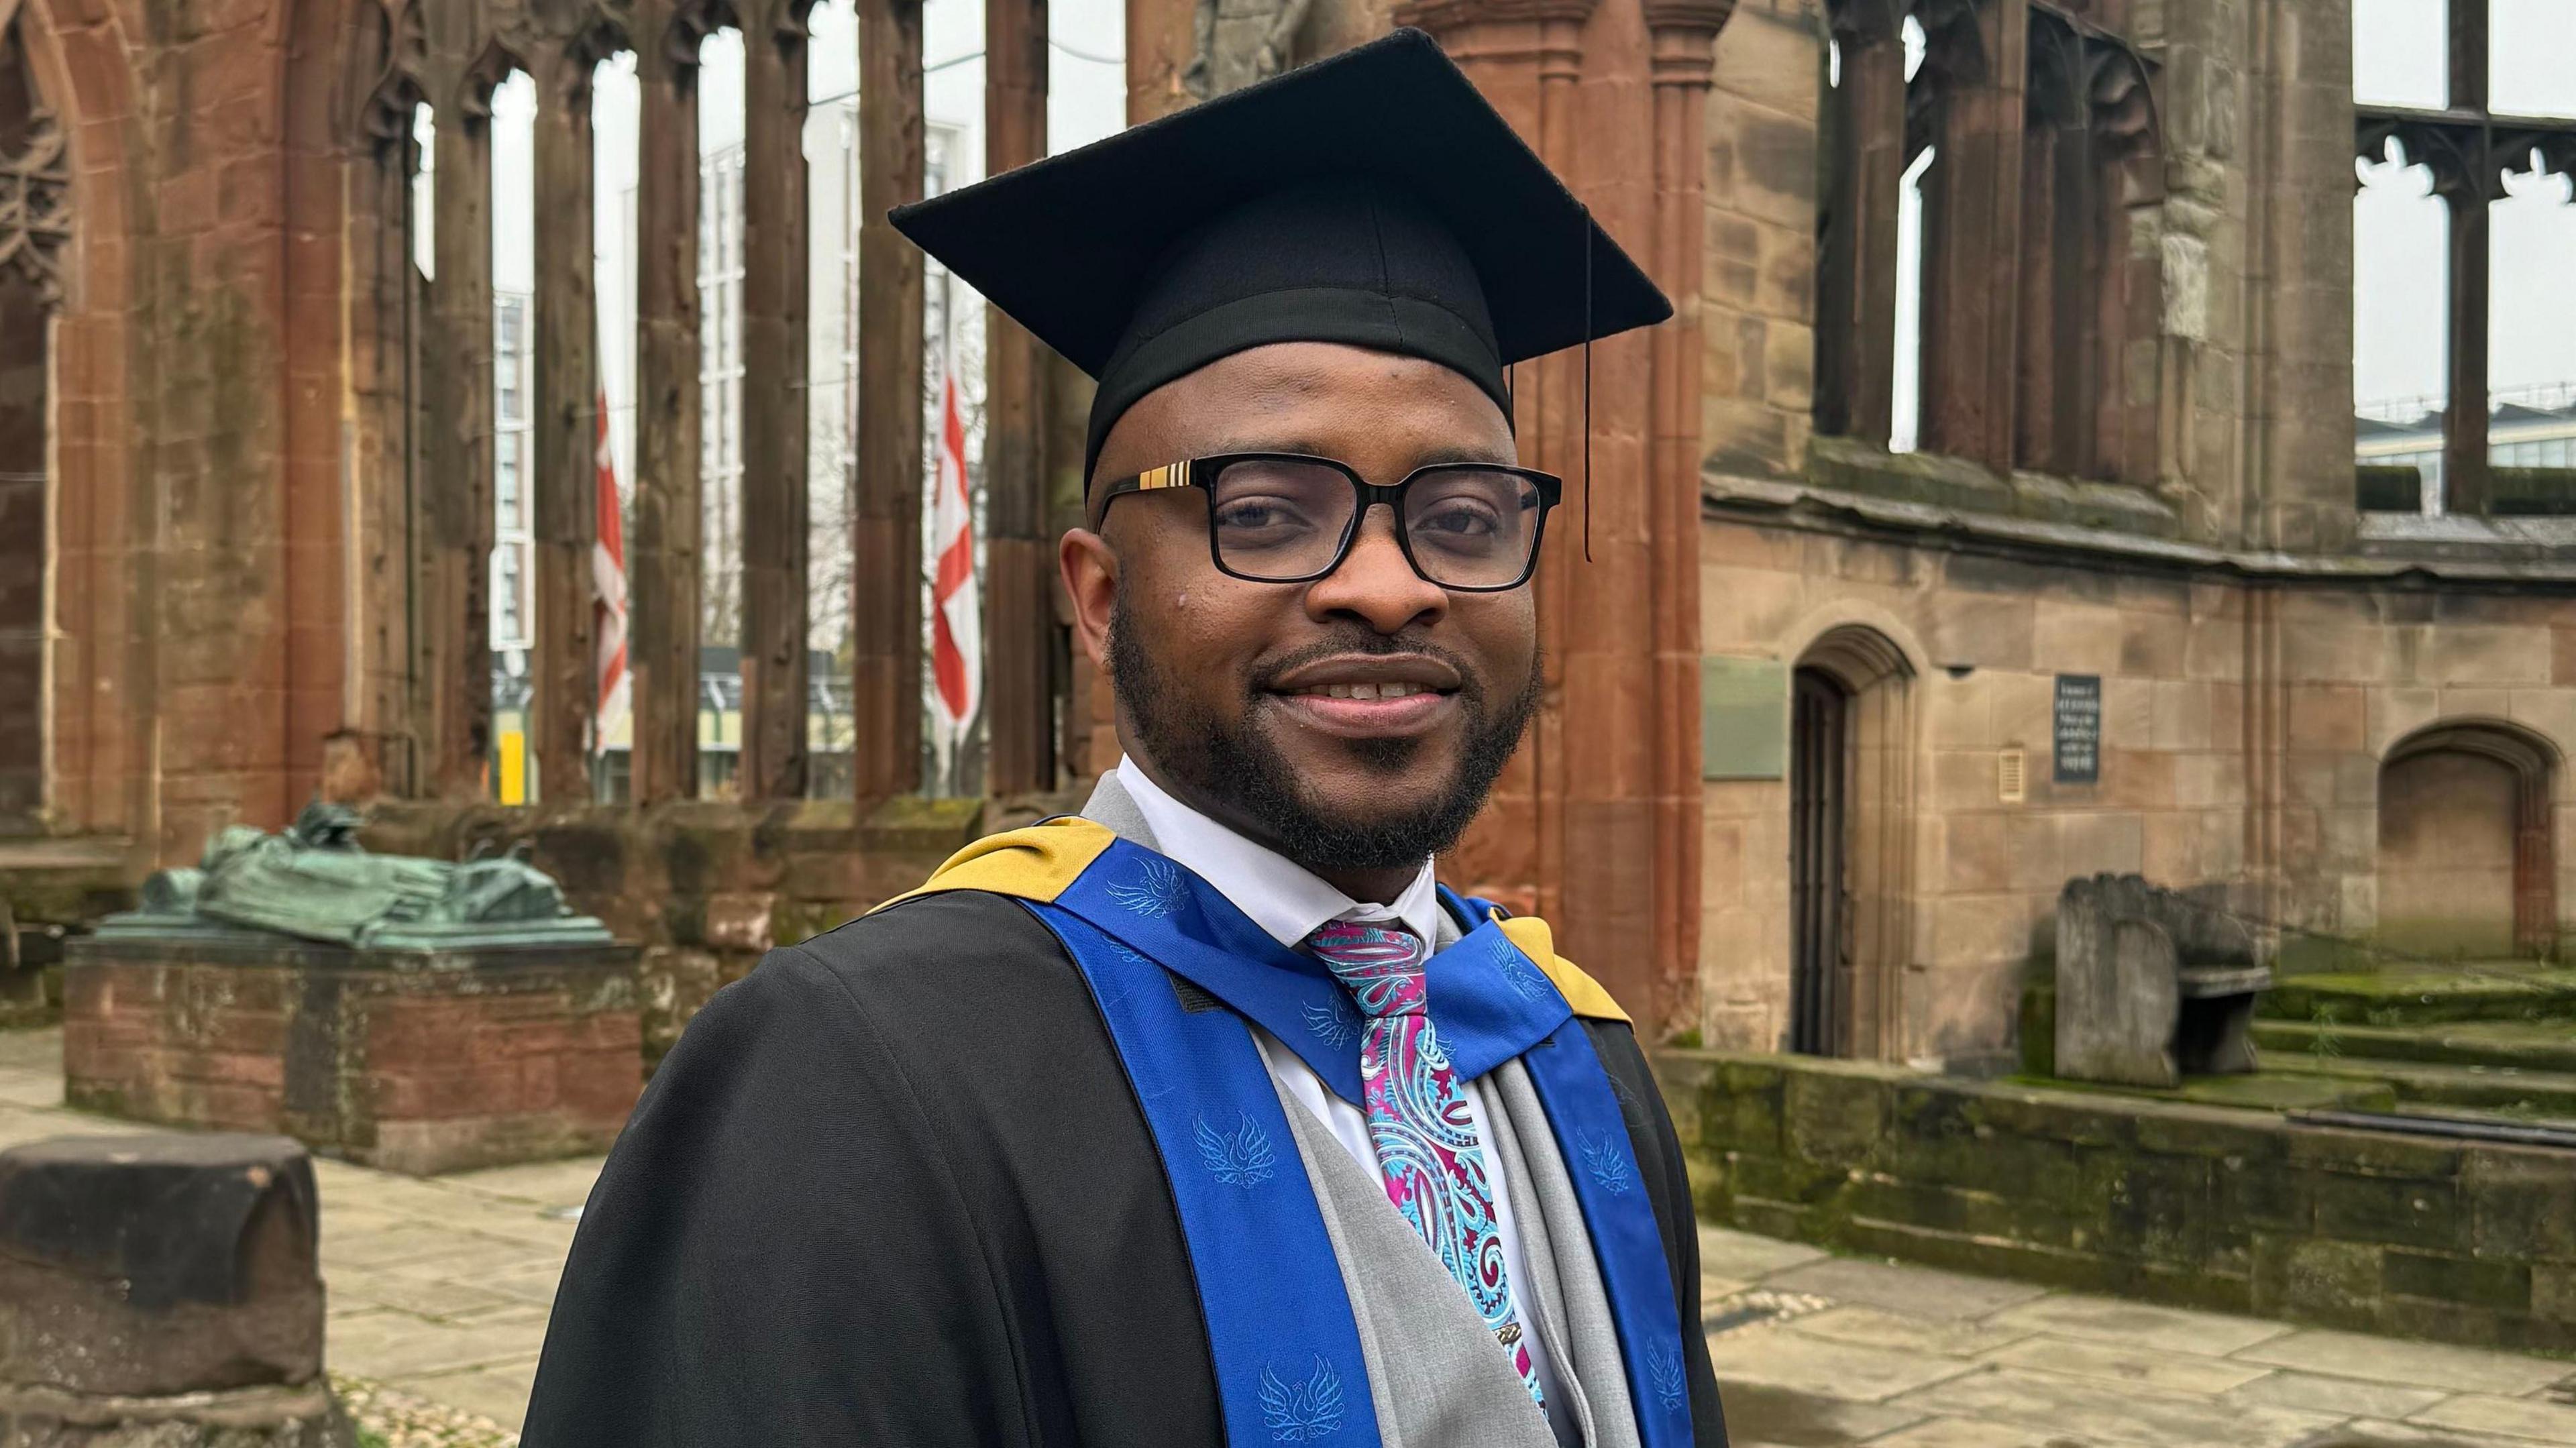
<point>1380,412</point>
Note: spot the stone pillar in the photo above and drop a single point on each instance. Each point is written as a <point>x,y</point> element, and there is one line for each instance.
<point>1681,37</point>
<point>1606,614</point>
<point>566,484</point>
<point>1020,633</point>
<point>1972,233</point>
<point>455,640</point>
<point>886,674</point>
<point>1528,61</point>
<point>163,1291</point>
<point>774,303</point>
<point>662,559</point>
<point>1574,825</point>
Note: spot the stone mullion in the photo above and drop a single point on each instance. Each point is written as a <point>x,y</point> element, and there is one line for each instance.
<point>886,672</point>
<point>2079,271</point>
<point>1971,229</point>
<point>1020,633</point>
<point>663,563</point>
<point>2037,441</point>
<point>1856,320</point>
<point>2469,188</point>
<point>456,487</point>
<point>2464,430</point>
<point>774,399</point>
<point>564,487</point>
<point>1682,34</point>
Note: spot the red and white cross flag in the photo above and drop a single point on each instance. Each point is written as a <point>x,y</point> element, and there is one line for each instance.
<point>956,618</point>
<point>608,596</point>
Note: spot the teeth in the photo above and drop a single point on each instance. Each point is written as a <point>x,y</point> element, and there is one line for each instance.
<point>1366,691</point>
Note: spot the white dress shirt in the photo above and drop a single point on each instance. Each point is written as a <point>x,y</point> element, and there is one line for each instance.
<point>1290,902</point>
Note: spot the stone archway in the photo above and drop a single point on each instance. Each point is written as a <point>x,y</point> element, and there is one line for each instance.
<point>2467,863</point>
<point>1851,858</point>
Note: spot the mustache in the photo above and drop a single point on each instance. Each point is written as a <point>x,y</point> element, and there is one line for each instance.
<point>1471,684</point>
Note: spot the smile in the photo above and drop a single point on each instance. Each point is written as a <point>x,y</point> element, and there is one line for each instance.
<point>1396,690</point>
<point>1369,696</point>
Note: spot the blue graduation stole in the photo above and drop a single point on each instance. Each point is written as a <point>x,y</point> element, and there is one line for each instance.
<point>1280,1329</point>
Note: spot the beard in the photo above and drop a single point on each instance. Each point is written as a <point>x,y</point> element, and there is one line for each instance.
<point>1235,761</point>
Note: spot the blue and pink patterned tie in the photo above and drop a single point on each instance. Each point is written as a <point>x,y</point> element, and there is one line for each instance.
<point>1420,1124</point>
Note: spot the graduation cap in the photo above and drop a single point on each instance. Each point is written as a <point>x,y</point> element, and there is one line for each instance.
<point>1373,198</point>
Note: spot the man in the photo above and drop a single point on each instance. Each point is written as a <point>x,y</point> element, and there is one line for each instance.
<point>1206,1117</point>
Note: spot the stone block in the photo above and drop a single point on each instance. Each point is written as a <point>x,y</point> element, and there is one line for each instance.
<point>151,1266</point>
<point>2550,713</point>
<point>2214,648</point>
<point>2492,655</point>
<point>2184,716</point>
<point>740,921</point>
<point>513,1054</point>
<point>2553,1293</point>
<point>2317,1280</point>
<point>2521,1205</point>
<point>2328,718</point>
<point>2023,705</point>
<point>2373,1153</point>
<point>2388,1210</point>
<point>1740,1109</point>
<point>2503,1286</point>
<point>1975,853</point>
<point>2072,639</point>
<point>2128,712</point>
<point>1833,1118</point>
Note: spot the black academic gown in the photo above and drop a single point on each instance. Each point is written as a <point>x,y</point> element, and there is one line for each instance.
<point>893,1188</point>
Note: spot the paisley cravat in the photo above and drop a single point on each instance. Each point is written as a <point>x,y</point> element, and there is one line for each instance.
<point>1419,1121</point>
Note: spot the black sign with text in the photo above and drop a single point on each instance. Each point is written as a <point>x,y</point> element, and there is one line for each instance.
<point>2079,728</point>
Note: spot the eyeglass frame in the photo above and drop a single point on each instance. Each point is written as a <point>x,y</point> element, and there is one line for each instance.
<point>1200,472</point>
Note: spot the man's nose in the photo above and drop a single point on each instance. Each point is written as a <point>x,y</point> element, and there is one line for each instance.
<point>1376,583</point>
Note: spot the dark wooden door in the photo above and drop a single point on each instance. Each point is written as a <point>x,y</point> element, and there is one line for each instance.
<point>1819,734</point>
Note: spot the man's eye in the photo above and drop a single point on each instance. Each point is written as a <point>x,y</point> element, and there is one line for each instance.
<point>1260,513</point>
<point>1457,521</point>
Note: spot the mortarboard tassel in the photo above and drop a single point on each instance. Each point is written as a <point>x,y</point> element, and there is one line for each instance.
<point>1587,384</point>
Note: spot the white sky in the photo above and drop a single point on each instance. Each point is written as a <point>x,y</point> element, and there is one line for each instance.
<point>2401,238</point>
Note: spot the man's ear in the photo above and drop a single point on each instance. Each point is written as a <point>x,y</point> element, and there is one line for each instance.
<point>1090,570</point>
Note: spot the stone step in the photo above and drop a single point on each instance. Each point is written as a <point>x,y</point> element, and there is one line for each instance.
<point>2530,1095</point>
<point>2427,996</point>
<point>2528,1045</point>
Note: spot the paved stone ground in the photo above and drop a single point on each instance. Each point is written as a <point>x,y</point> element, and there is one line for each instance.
<point>440,1288</point>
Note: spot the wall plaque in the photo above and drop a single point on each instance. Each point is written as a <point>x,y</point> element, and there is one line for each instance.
<point>1743,718</point>
<point>2079,729</point>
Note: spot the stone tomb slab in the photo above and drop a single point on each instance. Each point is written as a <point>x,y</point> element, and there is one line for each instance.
<point>412,1061</point>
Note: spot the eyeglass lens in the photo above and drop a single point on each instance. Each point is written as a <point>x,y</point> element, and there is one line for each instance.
<point>1284,520</point>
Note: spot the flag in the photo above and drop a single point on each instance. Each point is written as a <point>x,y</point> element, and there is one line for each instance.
<point>956,618</point>
<point>608,596</point>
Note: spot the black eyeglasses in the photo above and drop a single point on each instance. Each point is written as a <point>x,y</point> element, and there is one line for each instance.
<point>1289,518</point>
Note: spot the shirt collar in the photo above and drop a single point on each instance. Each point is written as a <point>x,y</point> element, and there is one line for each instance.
<point>1284,899</point>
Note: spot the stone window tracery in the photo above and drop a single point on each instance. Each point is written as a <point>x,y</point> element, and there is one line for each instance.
<point>2040,284</point>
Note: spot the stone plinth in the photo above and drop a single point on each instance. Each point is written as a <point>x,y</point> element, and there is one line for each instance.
<point>412,1061</point>
<point>163,1291</point>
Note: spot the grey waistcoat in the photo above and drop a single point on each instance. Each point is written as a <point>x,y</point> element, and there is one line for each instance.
<point>1436,1375</point>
